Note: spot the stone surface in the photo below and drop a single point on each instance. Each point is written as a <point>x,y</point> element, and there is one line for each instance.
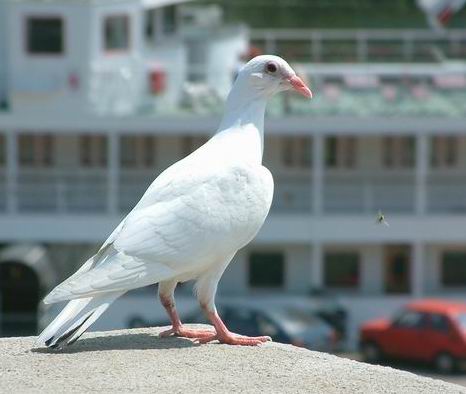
<point>137,360</point>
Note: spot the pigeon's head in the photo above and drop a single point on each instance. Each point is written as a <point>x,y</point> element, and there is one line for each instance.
<point>269,74</point>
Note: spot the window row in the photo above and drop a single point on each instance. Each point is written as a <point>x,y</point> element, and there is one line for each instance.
<point>342,270</point>
<point>45,35</point>
<point>342,152</point>
<point>295,152</point>
<point>135,151</point>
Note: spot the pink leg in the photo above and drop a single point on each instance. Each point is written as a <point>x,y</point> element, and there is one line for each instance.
<point>223,335</point>
<point>177,328</point>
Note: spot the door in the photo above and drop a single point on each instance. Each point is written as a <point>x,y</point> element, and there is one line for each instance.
<point>441,336</point>
<point>19,299</point>
<point>407,336</point>
<point>397,269</point>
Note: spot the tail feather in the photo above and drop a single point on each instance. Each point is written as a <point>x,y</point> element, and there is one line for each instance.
<point>62,341</point>
<point>88,322</point>
<point>75,319</point>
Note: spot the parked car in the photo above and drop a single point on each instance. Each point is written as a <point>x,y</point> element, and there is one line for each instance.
<point>285,325</point>
<point>331,310</point>
<point>428,330</point>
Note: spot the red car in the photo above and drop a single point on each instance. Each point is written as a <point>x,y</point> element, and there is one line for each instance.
<point>427,330</point>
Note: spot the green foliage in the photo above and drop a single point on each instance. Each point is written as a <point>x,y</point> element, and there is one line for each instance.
<point>328,13</point>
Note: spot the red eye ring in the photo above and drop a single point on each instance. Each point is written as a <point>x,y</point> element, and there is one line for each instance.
<point>271,67</point>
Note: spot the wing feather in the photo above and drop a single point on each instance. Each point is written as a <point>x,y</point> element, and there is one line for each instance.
<point>193,213</point>
<point>183,223</point>
<point>118,273</point>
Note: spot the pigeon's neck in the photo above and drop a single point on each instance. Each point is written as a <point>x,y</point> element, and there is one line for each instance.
<point>245,115</point>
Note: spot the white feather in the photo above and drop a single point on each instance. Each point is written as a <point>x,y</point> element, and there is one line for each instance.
<point>189,223</point>
<point>72,316</point>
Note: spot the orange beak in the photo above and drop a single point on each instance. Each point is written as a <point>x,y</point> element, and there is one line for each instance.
<point>298,85</point>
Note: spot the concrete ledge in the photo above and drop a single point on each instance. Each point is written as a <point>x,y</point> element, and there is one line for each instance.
<point>137,360</point>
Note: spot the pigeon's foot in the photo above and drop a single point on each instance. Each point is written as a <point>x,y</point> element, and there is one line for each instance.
<point>182,331</point>
<point>223,335</point>
<point>235,339</point>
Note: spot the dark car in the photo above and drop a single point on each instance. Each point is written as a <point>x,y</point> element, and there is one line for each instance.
<point>429,330</point>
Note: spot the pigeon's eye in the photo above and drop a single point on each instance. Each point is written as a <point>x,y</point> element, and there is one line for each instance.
<point>271,67</point>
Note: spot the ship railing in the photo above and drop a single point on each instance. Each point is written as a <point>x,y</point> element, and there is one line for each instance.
<point>355,45</point>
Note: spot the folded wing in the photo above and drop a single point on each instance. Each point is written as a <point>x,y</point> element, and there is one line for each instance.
<point>168,233</point>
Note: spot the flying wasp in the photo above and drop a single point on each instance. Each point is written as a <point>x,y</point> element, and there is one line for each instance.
<point>381,218</point>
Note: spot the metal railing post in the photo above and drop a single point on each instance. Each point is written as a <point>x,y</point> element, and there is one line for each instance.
<point>12,171</point>
<point>317,187</point>
<point>422,166</point>
<point>270,44</point>
<point>113,171</point>
<point>316,47</point>
<point>362,47</point>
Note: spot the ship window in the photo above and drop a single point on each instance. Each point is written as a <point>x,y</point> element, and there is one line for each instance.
<point>340,152</point>
<point>266,270</point>
<point>296,152</point>
<point>397,265</point>
<point>341,269</point>
<point>93,151</point>
<point>453,269</point>
<point>169,19</point>
<point>160,22</point>
<point>137,151</point>
<point>150,24</point>
<point>44,35</point>
<point>116,33</point>
<point>190,144</point>
<point>399,152</point>
<point>444,152</point>
<point>36,150</point>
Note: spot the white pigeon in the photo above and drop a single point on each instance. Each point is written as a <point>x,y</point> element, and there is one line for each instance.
<point>189,223</point>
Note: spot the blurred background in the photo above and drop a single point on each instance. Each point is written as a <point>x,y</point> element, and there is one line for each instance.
<point>98,97</point>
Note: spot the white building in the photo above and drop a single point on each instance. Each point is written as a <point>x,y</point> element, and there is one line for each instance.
<point>97,97</point>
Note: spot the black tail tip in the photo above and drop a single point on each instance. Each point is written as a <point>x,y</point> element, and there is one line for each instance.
<point>65,339</point>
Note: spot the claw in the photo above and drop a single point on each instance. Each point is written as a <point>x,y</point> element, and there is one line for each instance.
<point>167,333</point>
